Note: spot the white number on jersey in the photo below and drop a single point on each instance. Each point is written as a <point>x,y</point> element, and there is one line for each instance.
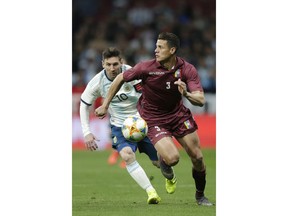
<point>168,85</point>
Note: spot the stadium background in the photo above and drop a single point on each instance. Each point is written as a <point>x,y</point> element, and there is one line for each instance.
<point>133,26</point>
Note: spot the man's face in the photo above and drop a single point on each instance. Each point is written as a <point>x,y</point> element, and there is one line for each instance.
<point>162,51</point>
<point>112,66</point>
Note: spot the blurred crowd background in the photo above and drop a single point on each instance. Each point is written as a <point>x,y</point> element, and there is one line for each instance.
<point>133,27</point>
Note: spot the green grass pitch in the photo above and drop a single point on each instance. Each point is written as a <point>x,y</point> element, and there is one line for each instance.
<point>102,189</point>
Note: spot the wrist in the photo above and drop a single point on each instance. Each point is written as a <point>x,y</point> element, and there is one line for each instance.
<point>105,106</point>
<point>87,132</point>
<point>185,93</point>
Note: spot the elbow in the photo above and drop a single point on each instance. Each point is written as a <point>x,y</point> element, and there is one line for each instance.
<point>201,102</point>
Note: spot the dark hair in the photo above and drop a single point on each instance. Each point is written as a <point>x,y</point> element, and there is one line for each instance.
<point>111,52</point>
<point>172,39</point>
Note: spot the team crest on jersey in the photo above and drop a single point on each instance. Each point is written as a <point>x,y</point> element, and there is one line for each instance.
<point>115,139</point>
<point>127,88</point>
<point>177,73</point>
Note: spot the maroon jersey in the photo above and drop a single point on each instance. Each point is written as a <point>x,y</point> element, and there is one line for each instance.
<point>160,99</point>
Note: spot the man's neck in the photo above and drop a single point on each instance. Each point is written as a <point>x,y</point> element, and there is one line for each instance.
<point>170,63</point>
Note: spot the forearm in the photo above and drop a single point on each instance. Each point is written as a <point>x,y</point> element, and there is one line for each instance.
<point>196,98</point>
<point>114,88</point>
<point>84,117</point>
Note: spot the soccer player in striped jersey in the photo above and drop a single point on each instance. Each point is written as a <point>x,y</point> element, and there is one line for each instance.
<point>165,80</point>
<point>122,106</point>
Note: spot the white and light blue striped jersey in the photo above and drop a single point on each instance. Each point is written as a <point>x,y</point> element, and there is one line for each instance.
<point>122,105</point>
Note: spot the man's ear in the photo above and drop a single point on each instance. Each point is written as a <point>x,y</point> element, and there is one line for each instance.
<point>173,50</point>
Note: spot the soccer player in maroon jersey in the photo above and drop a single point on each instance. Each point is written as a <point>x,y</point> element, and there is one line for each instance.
<point>165,80</point>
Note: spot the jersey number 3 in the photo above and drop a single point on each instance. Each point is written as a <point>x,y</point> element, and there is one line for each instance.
<point>168,85</point>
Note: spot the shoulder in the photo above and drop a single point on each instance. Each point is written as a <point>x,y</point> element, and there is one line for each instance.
<point>188,70</point>
<point>146,64</point>
<point>97,79</point>
<point>151,62</point>
<point>186,66</point>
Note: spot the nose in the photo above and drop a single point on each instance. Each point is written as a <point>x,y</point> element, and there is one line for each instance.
<point>111,67</point>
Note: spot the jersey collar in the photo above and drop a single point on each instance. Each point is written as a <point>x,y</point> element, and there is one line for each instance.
<point>179,63</point>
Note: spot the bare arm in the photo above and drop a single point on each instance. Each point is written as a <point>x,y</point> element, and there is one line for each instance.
<point>101,111</point>
<point>196,98</point>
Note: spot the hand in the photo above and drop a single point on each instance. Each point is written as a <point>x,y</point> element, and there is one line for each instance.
<point>101,112</point>
<point>90,142</point>
<point>181,87</point>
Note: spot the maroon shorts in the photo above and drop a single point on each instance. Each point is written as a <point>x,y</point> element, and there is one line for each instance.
<point>177,125</point>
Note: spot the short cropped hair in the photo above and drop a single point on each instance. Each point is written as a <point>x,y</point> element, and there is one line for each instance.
<point>172,39</point>
<point>111,52</point>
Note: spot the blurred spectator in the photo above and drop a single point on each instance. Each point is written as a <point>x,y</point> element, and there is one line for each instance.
<point>88,63</point>
<point>206,75</point>
<point>140,15</point>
